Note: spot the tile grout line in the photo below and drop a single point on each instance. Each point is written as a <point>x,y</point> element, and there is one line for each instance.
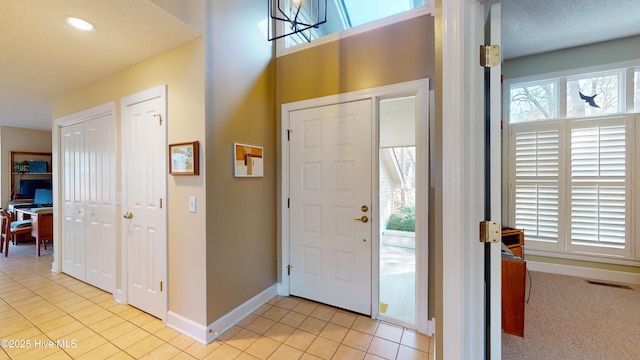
<point>85,326</point>
<point>35,272</point>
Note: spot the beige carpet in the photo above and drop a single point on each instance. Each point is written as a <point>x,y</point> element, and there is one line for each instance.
<point>568,318</point>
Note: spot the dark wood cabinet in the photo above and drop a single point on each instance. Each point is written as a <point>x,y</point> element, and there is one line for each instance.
<point>514,240</point>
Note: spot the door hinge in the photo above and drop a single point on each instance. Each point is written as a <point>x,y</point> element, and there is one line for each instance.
<point>289,131</point>
<point>160,286</point>
<point>490,231</point>
<point>289,270</point>
<point>159,118</point>
<point>489,55</point>
<point>160,203</point>
<point>288,203</point>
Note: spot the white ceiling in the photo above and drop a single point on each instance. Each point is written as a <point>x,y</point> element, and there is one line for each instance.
<point>41,57</point>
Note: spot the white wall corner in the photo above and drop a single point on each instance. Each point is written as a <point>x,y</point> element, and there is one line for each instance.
<point>224,323</point>
<point>583,272</point>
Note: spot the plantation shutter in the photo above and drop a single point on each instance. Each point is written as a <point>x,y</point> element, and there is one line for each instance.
<point>536,183</point>
<point>598,187</point>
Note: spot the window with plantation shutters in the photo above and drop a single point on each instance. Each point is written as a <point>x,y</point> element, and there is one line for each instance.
<point>570,186</point>
<point>574,167</point>
<point>536,183</point>
<point>598,186</point>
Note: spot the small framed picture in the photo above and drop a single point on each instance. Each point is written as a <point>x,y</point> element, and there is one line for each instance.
<point>248,160</point>
<point>184,158</point>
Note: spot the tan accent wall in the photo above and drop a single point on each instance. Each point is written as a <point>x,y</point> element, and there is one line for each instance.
<point>18,139</point>
<point>182,69</point>
<point>240,102</point>
<point>392,54</point>
<point>389,55</point>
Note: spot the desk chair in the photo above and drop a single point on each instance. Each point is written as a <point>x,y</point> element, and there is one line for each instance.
<point>10,229</point>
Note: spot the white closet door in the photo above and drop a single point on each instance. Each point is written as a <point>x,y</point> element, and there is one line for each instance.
<point>144,186</point>
<point>72,196</point>
<point>100,188</point>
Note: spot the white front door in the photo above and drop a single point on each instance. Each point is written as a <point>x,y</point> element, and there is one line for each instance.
<point>330,198</point>
<point>100,198</point>
<point>72,199</point>
<point>144,159</point>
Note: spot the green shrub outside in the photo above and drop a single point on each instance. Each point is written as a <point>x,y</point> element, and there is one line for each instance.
<point>404,220</point>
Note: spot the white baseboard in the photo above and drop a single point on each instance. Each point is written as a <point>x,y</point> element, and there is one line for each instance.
<point>206,334</point>
<point>583,272</point>
<point>187,327</point>
<point>224,323</point>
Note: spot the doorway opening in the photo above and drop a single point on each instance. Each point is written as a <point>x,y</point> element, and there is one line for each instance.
<point>391,139</point>
<point>397,203</point>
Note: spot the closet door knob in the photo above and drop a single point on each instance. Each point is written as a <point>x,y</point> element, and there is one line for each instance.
<point>128,215</point>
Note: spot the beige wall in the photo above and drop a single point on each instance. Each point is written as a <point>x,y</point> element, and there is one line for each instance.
<point>18,139</point>
<point>182,70</point>
<point>241,212</point>
<point>393,54</point>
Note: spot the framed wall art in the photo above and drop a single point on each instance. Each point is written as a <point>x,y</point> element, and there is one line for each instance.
<point>248,160</point>
<point>184,158</point>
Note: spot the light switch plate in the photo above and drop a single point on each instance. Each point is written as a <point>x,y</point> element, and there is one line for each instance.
<point>192,204</point>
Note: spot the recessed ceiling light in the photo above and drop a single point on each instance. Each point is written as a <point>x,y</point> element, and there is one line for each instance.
<point>80,24</point>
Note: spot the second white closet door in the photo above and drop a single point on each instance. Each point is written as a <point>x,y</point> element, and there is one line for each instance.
<point>99,200</point>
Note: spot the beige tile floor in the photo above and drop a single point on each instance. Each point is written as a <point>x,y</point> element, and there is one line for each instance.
<point>44,315</point>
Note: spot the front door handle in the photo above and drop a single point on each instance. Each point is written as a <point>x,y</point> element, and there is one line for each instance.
<point>364,219</point>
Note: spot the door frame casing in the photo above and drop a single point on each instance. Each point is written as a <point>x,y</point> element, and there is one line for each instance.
<point>459,256</point>
<point>419,88</point>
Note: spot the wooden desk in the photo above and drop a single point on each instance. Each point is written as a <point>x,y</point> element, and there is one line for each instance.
<point>41,224</point>
<point>514,272</point>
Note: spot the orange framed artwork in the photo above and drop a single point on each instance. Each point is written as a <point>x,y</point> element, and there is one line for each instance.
<point>248,160</point>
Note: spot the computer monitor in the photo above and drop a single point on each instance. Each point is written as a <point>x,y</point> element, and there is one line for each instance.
<point>43,197</point>
<point>28,187</point>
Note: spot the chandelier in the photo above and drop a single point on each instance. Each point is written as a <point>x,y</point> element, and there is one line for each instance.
<point>296,16</point>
